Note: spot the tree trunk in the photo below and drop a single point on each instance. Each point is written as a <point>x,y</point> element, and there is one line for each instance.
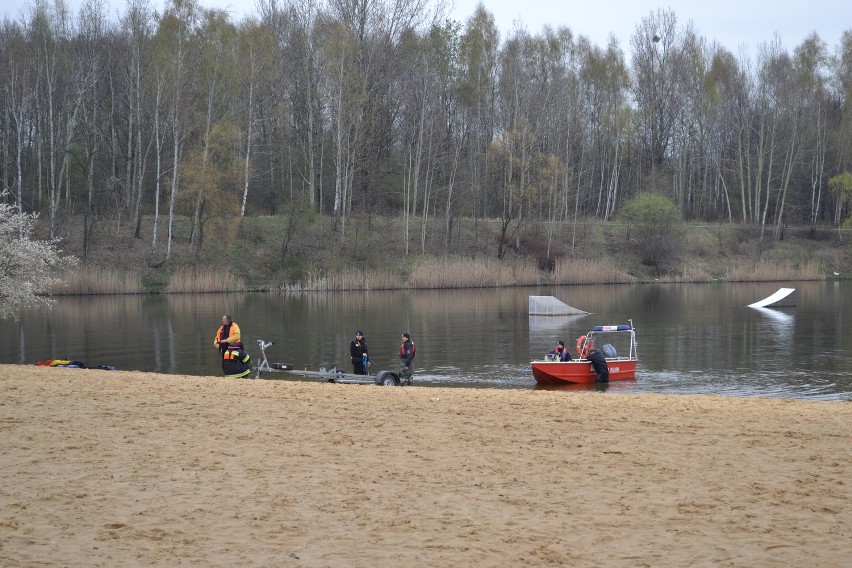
<point>248,142</point>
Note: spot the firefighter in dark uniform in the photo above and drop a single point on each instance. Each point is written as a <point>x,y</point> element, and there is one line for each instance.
<point>235,361</point>
<point>598,362</point>
<point>358,351</point>
<point>407,351</point>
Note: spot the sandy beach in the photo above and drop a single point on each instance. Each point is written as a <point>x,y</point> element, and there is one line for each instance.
<point>102,468</point>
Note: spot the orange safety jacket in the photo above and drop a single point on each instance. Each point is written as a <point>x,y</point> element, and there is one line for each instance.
<point>232,337</point>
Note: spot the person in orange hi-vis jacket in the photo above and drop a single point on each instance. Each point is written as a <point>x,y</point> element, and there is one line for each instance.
<point>227,334</point>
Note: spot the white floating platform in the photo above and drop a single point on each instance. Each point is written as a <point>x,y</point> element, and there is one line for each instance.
<point>551,306</point>
<point>783,298</point>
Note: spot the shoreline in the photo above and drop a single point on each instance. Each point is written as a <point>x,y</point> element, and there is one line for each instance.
<point>132,468</point>
<point>280,290</point>
<point>728,253</point>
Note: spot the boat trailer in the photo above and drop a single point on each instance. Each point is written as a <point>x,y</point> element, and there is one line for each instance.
<point>332,375</point>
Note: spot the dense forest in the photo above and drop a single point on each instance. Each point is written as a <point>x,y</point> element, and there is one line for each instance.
<point>342,107</point>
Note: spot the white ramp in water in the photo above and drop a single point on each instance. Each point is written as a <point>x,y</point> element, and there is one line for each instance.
<point>783,298</point>
<point>551,306</point>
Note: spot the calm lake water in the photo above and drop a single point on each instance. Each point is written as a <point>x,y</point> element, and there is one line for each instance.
<point>693,338</point>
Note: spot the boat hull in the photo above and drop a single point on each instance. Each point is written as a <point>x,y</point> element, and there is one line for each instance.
<point>580,372</point>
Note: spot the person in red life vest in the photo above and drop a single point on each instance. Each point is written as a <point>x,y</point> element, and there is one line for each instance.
<point>358,351</point>
<point>407,351</point>
<point>559,352</point>
<point>229,333</point>
<point>235,361</point>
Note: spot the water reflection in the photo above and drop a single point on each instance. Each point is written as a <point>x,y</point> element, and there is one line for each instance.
<point>782,319</point>
<point>692,338</point>
<point>620,386</point>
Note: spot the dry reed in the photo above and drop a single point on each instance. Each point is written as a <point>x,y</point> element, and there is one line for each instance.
<point>90,280</point>
<point>687,274</point>
<point>347,279</point>
<point>473,273</point>
<point>767,271</point>
<point>187,280</point>
<point>584,271</point>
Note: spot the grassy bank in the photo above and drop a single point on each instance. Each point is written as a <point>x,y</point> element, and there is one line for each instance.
<point>270,253</point>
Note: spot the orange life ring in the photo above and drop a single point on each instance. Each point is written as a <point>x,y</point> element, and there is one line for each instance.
<point>580,351</point>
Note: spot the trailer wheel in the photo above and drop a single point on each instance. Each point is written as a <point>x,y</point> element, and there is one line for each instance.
<point>387,379</point>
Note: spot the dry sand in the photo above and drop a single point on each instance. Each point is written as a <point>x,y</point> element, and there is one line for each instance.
<point>109,469</point>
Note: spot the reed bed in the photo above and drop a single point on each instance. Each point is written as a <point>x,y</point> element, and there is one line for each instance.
<point>90,280</point>
<point>688,274</point>
<point>347,279</point>
<point>187,280</point>
<point>584,271</point>
<point>767,271</point>
<point>473,273</point>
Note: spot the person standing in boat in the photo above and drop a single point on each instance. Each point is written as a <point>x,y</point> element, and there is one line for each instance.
<point>227,334</point>
<point>407,351</point>
<point>598,362</point>
<point>358,351</point>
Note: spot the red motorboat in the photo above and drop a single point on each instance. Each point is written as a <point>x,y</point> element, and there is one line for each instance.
<point>616,342</point>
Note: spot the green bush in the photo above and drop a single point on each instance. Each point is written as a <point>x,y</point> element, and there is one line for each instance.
<point>655,229</point>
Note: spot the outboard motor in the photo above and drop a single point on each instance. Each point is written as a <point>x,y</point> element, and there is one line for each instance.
<point>609,351</point>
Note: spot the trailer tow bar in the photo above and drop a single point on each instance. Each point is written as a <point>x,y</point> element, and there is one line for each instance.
<point>263,364</point>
